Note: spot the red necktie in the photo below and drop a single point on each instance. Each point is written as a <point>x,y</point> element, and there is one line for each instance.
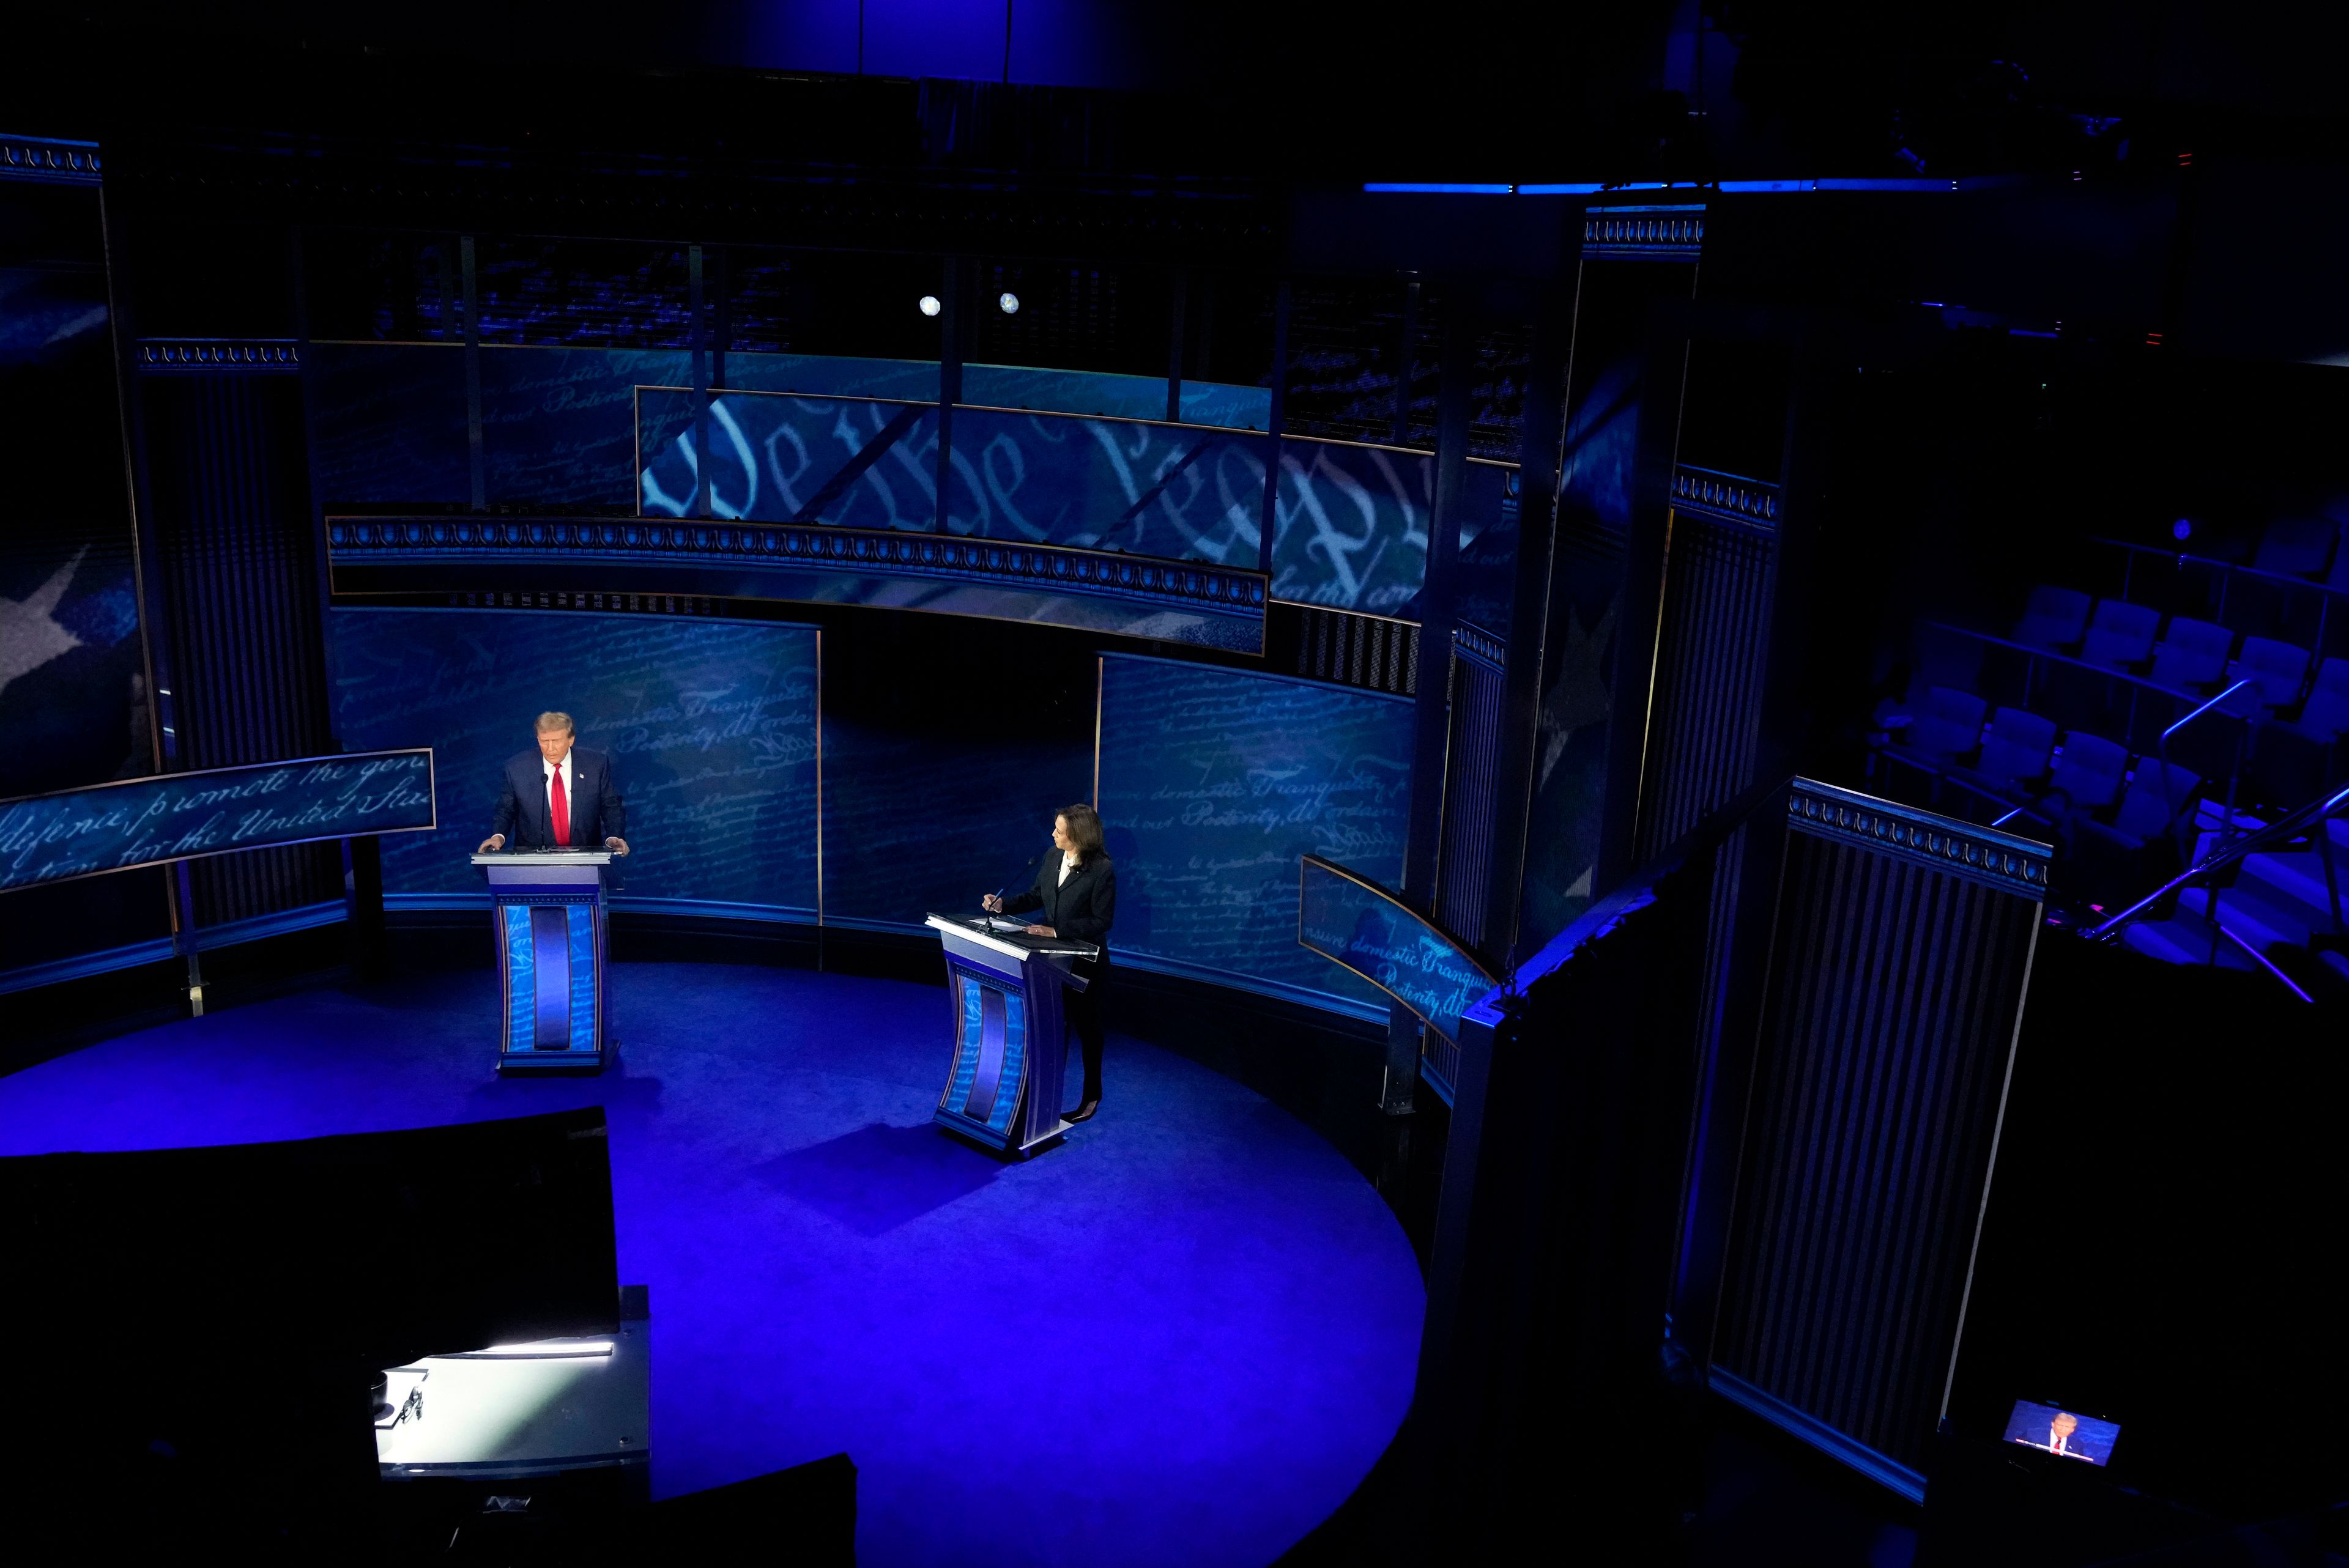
<point>562,809</point>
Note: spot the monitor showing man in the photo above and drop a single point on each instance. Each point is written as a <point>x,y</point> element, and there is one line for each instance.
<point>2064,1433</point>
<point>560,796</point>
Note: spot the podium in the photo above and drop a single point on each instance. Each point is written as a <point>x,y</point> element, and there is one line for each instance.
<point>547,916</point>
<point>1003,1000</point>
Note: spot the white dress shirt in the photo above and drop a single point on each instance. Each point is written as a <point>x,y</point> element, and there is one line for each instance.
<point>570,795</point>
<point>1068,864</point>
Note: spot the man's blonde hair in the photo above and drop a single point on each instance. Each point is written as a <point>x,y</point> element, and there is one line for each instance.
<point>554,723</point>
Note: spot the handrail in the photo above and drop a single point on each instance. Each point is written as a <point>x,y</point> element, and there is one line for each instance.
<point>1993,637</point>
<point>2183,556</point>
<point>2161,750</point>
<point>2209,705</point>
<point>2262,960</point>
<point>2289,826</point>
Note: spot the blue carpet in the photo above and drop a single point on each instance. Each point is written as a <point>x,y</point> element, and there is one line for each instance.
<point>1181,1339</point>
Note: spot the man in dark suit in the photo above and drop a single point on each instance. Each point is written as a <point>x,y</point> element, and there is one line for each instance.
<point>1077,890</point>
<point>559,795</point>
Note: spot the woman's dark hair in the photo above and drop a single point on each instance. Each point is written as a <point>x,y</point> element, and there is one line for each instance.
<point>1084,830</point>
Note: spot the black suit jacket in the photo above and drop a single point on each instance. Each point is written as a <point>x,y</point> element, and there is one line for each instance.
<point>1082,909</point>
<point>597,812</point>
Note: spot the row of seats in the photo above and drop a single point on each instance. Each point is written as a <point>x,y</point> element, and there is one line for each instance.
<point>2196,657</point>
<point>2306,547</point>
<point>2015,756</point>
<point>2120,826</point>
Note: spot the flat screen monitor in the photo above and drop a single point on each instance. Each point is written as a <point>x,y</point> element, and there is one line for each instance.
<point>2067,1434</point>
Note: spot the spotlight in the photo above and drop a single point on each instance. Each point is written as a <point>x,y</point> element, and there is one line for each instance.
<point>2182,530</point>
<point>929,304</point>
<point>1009,302</point>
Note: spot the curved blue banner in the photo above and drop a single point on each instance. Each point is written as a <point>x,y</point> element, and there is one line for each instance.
<point>1359,925</point>
<point>178,816</point>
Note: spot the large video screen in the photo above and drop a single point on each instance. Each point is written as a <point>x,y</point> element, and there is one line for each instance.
<point>1215,784</point>
<point>711,727</point>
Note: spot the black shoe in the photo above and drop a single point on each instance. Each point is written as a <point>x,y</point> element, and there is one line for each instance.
<point>1085,1111</point>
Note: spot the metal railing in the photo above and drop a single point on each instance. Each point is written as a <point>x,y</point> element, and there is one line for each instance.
<point>2234,765</point>
<point>2136,686</point>
<point>2309,820</point>
<point>2226,572</point>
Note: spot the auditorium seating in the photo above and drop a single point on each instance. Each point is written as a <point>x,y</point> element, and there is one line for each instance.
<point>2113,863</point>
<point>2089,776</point>
<point>2277,670</point>
<point>2120,635</point>
<point>2295,760</point>
<point>2192,656</point>
<point>1948,727</point>
<point>2056,619</point>
<point>2015,751</point>
<point>2325,715</point>
<point>2298,547</point>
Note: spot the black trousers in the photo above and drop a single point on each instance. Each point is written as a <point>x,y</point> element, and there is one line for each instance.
<point>1082,1010</point>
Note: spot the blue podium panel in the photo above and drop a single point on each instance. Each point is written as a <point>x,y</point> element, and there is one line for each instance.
<point>547,914</point>
<point>1003,997</point>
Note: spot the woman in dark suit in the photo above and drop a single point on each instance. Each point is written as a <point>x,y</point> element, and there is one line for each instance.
<point>1077,890</point>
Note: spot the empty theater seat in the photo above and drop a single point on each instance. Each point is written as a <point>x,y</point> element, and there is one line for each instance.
<point>1948,725</point>
<point>2277,670</point>
<point>2193,656</point>
<point>2298,546</point>
<point>2116,862</point>
<point>2015,752</point>
<point>2294,762</point>
<point>2120,635</point>
<point>2088,774</point>
<point>2056,618</point>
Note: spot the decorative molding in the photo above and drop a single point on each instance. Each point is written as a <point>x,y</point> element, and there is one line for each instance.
<point>1171,585</point>
<point>49,161</point>
<point>1473,641</point>
<point>1643,234</point>
<point>250,356</point>
<point>1749,503</point>
<point>1962,848</point>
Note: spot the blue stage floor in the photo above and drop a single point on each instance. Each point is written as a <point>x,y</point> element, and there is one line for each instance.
<point>1231,1313</point>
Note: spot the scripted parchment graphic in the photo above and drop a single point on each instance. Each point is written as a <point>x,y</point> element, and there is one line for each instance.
<point>1367,931</point>
<point>1351,522</point>
<point>173,816</point>
<point>1214,783</point>
<point>710,724</point>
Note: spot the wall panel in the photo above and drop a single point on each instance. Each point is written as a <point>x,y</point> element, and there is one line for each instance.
<point>1902,951</point>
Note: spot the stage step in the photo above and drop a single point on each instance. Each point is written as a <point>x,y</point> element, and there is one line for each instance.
<point>2183,938</point>
<point>2293,883</point>
<point>2260,920</point>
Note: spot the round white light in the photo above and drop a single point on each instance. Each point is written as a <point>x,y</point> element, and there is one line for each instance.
<point>1009,302</point>
<point>929,304</point>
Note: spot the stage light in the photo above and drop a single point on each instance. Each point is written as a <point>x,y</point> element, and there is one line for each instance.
<point>931,305</point>
<point>2183,528</point>
<point>1009,302</point>
<point>540,1350</point>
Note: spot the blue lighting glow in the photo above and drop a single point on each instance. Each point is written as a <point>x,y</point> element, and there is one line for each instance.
<point>1414,188</point>
<point>1727,187</point>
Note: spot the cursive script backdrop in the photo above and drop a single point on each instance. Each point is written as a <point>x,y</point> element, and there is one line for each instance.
<point>711,727</point>
<point>177,815</point>
<point>1214,784</point>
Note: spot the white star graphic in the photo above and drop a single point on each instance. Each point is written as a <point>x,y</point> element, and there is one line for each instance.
<point>29,634</point>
